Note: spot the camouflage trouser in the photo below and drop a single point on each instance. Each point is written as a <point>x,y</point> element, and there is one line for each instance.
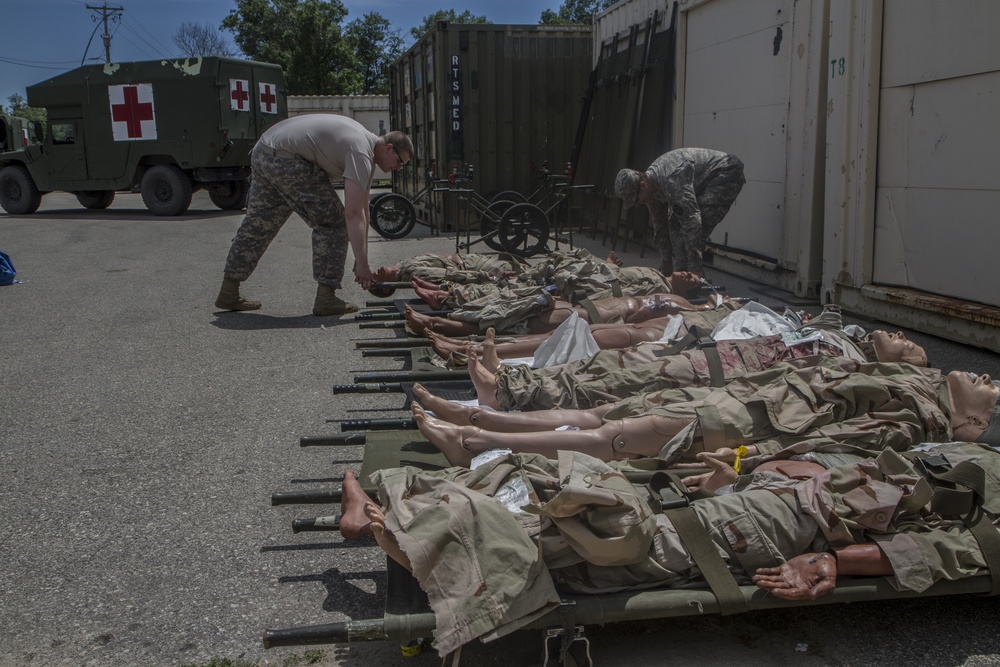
<point>489,568</point>
<point>715,197</point>
<point>280,187</point>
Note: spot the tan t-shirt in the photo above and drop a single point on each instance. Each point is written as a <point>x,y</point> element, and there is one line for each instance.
<point>338,145</point>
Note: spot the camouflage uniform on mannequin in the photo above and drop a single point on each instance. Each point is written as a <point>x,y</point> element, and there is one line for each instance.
<point>611,375</point>
<point>494,546</point>
<point>688,192</point>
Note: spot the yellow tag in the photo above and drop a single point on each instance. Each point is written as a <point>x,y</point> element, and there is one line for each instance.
<point>741,451</point>
<point>410,651</point>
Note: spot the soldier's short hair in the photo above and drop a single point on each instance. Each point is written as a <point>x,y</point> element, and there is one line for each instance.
<point>400,141</point>
<point>627,186</point>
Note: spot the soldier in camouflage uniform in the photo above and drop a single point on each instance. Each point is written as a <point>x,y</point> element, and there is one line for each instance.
<point>293,166</point>
<point>468,269</point>
<point>688,192</point>
<point>808,404</point>
<point>494,546</point>
<point>526,310</point>
<point>571,276</point>
<point>607,336</point>
<point>611,375</point>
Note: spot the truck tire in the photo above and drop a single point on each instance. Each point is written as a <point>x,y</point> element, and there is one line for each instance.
<point>166,190</point>
<point>229,195</point>
<point>18,193</point>
<point>95,199</point>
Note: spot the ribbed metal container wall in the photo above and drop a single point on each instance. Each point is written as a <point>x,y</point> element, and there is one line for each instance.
<point>505,99</point>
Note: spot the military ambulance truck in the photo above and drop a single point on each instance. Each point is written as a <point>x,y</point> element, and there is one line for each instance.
<point>17,132</point>
<point>165,128</point>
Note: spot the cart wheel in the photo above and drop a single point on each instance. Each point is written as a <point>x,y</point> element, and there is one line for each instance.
<point>524,230</point>
<point>393,216</point>
<point>489,221</point>
<point>508,195</point>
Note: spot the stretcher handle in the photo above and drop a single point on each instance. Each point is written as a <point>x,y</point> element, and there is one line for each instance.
<point>396,324</point>
<point>403,423</point>
<point>369,388</point>
<point>390,342</point>
<point>332,440</point>
<point>388,352</point>
<point>315,524</point>
<point>412,376</point>
<point>307,496</point>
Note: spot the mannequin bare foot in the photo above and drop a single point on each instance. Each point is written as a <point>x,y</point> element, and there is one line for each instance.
<point>385,539</point>
<point>353,523</point>
<point>433,298</point>
<point>485,383</point>
<point>443,408</point>
<point>418,322</point>
<point>447,437</point>
<point>426,284</point>
<point>490,358</point>
<point>444,346</point>
<point>613,258</point>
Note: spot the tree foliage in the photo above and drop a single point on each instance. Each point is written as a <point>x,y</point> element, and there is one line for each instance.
<point>304,37</point>
<point>448,15</point>
<point>195,40</point>
<point>376,46</point>
<point>19,107</point>
<point>575,12</point>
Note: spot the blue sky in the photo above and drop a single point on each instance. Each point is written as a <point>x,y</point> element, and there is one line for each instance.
<point>42,38</point>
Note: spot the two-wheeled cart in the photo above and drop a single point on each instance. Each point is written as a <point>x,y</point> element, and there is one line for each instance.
<point>509,221</point>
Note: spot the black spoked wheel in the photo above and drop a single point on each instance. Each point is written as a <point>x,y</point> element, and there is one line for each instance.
<point>524,230</point>
<point>508,195</point>
<point>489,222</point>
<point>393,216</point>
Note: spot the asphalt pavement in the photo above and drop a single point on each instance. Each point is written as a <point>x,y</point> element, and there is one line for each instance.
<point>143,434</point>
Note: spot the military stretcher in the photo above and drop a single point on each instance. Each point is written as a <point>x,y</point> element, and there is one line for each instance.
<point>407,616</point>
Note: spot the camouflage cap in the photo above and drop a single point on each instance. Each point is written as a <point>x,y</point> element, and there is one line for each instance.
<point>627,186</point>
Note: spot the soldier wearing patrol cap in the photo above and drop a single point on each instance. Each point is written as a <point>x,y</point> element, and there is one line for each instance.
<point>688,192</point>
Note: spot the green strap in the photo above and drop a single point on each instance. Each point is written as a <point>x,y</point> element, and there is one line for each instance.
<point>706,556</point>
<point>715,372</point>
<point>966,501</point>
<point>595,317</point>
<point>989,543</point>
<point>616,288</point>
<point>713,434</point>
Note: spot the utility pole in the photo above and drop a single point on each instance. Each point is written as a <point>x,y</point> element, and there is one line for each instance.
<point>107,13</point>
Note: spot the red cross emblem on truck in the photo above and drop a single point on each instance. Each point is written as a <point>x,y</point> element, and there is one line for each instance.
<point>268,98</point>
<point>239,94</point>
<point>132,113</point>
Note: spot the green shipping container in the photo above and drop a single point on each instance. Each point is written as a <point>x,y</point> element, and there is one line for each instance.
<point>505,100</point>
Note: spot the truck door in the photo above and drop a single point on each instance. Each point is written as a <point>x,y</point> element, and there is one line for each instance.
<point>67,155</point>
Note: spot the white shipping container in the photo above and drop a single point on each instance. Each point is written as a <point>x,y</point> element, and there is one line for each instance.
<point>913,184</point>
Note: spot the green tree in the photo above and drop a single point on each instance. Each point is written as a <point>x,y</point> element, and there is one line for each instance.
<point>448,15</point>
<point>194,39</point>
<point>575,12</point>
<point>376,46</point>
<point>19,107</point>
<point>304,37</point>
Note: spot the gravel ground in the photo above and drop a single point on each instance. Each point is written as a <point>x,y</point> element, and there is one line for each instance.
<point>143,433</point>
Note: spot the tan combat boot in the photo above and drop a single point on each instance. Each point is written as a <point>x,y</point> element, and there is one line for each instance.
<point>229,297</point>
<point>327,302</point>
